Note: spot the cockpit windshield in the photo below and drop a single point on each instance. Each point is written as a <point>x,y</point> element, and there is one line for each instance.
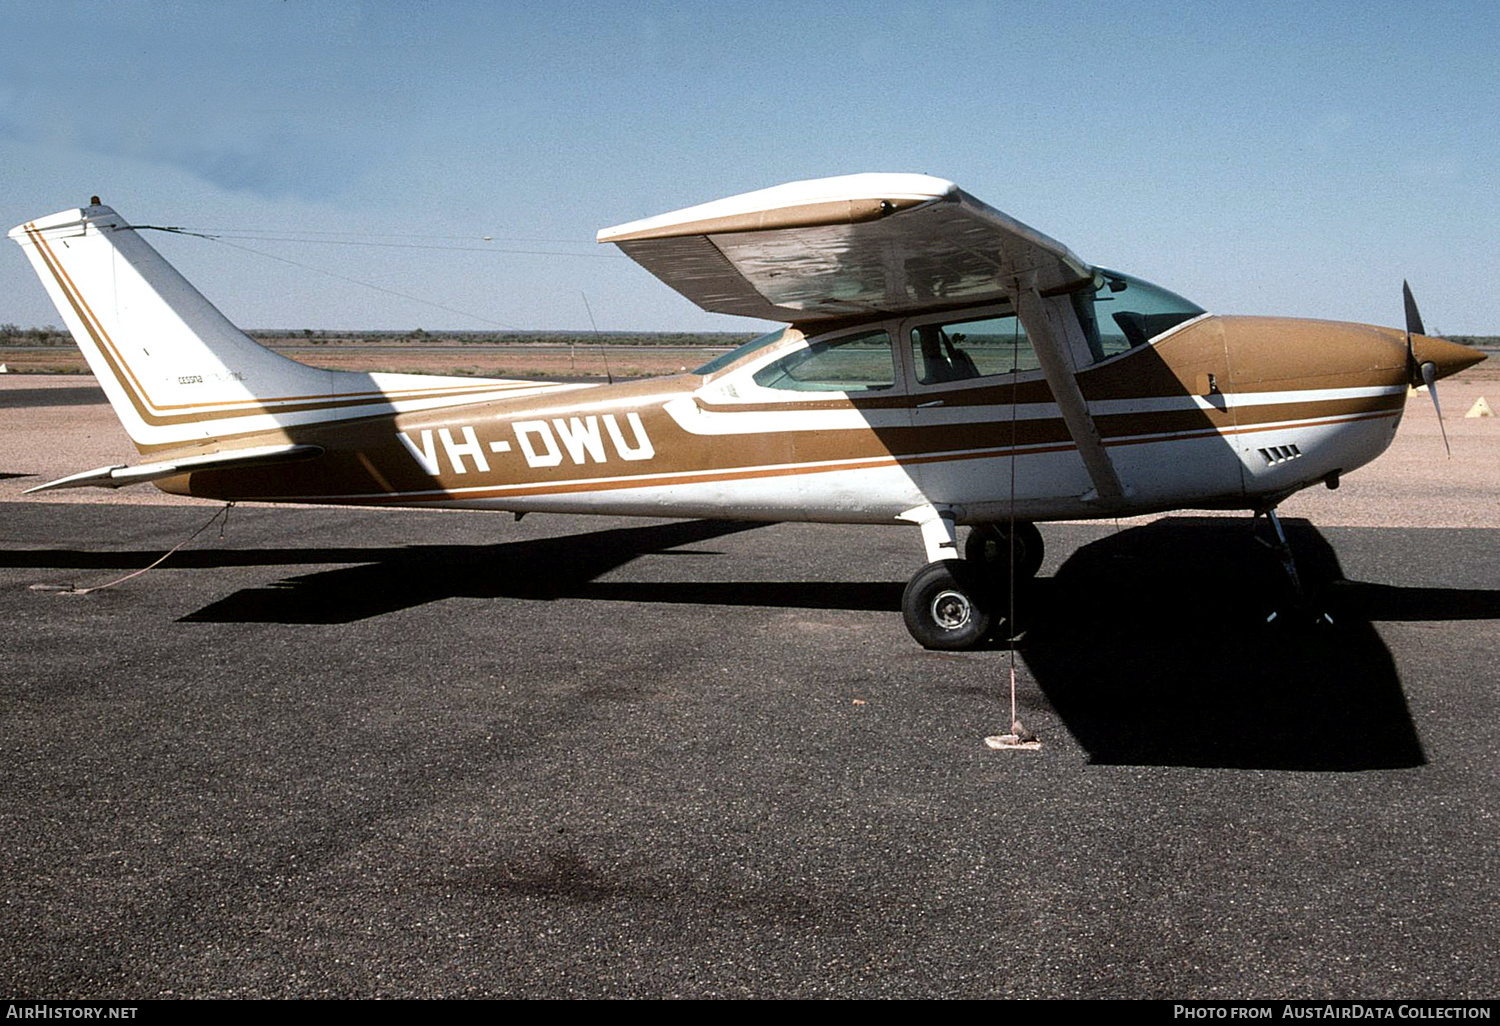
<point>1120,312</point>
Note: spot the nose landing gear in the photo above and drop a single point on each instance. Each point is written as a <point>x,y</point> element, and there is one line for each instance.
<point>1300,610</point>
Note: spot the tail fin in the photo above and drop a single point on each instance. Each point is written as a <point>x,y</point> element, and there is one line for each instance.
<point>174,368</point>
<point>179,375</point>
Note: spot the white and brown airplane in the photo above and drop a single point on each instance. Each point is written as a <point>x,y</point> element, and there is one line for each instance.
<point>942,365</point>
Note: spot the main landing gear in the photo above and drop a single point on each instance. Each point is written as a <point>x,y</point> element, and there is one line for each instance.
<point>952,603</point>
<point>945,607</point>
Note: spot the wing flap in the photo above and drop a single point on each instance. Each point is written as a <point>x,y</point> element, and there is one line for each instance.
<point>120,476</point>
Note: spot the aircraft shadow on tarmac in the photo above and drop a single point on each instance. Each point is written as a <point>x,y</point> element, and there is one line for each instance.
<point>543,569</point>
<point>1151,644</point>
<point>373,581</point>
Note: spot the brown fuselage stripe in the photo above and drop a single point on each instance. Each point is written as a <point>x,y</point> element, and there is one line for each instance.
<point>482,493</point>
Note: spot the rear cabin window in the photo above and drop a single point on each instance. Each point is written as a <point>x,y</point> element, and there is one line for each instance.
<point>723,360</point>
<point>848,363</point>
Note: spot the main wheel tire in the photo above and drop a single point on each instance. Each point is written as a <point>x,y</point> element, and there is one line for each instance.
<point>988,548</point>
<point>943,607</point>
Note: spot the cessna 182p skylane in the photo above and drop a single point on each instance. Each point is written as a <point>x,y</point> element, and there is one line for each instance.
<point>942,365</point>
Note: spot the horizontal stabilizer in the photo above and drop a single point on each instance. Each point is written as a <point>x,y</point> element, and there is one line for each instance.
<point>238,459</point>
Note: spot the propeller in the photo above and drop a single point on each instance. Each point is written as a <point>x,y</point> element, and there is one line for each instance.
<point>1427,370</point>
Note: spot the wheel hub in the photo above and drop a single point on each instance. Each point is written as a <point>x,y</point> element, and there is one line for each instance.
<point>951,610</point>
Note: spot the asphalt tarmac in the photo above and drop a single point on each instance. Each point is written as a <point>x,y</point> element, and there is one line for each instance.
<point>329,752</point>
<point>359,753</point>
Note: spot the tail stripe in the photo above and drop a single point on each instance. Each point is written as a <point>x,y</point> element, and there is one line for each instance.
<point>156,414</point>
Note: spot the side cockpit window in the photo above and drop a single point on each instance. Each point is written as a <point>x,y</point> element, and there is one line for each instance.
<point>848,363</point>
<point>1119,312</point>
<point>975,348</point>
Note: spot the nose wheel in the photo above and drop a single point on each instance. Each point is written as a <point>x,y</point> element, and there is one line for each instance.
<point>945,608</point>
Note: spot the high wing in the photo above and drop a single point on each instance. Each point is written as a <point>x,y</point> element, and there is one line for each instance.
<point>878,244</point>
<point>839,247</point>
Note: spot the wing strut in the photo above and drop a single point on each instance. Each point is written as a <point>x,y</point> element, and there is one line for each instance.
<point>1052,336</point>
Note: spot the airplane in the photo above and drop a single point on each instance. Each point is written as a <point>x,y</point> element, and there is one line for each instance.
<point>939,365</point>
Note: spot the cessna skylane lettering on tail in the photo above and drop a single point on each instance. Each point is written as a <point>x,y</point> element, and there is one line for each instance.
<point>941,365</point>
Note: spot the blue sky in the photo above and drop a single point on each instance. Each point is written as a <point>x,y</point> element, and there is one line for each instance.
<point>1288,158</point>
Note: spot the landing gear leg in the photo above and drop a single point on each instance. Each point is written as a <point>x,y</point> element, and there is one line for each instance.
<point>1288,560</point>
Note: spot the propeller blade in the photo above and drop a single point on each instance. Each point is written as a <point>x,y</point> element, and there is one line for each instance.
<point>1429,378</point>
<point>1413,324</point>
<point>1413,317</point>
